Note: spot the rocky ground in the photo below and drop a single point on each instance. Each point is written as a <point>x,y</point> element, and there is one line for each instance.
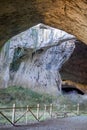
<point>69,123</point>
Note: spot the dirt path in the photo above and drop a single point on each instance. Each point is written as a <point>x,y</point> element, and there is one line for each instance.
<point>69,123</point>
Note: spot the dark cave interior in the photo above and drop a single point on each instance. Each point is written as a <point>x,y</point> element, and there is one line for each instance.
<point>71,90</point>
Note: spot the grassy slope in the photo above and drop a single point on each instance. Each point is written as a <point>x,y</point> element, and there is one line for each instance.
<point>22,97</point>
<point>25,96</point>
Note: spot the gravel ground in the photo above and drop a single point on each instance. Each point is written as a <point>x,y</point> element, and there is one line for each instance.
<point>69,123</point>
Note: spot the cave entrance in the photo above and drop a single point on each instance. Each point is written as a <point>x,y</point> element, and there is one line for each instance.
<point>71,90</point>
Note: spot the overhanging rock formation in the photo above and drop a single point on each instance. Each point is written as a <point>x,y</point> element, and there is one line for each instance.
<point>17,16</point>
<point>34,57</point>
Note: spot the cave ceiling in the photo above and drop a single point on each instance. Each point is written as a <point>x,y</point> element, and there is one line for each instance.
<point>68,15</point>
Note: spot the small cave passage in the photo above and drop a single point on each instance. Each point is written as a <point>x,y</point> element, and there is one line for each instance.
<point>71,90</point>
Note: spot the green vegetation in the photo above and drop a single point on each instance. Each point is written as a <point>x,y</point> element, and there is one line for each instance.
<point>25,96</point>
<point>22,97</point>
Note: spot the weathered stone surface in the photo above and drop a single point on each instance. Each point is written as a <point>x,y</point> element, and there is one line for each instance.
<point>69,15</point>
<point>34,57</point>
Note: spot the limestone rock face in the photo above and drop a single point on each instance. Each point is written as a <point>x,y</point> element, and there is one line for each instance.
<point>34,57</point>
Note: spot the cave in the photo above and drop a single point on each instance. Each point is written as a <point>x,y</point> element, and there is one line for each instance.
<point>71,90</point>
<point>70,16</point>
<point>40,63</point>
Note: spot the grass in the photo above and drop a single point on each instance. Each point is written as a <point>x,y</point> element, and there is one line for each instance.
<point>25,96</point>
<point>22,97</point>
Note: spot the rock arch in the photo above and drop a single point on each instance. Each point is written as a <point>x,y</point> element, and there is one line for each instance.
<point>17,16</point>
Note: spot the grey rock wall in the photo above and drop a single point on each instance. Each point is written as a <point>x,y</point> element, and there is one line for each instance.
<point>33,58</point>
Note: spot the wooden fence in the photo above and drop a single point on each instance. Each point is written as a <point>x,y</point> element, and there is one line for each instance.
<point>37,112</point>
<point>27,109</point>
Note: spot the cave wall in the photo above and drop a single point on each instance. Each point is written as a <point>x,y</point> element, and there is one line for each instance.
<point>74,72</point>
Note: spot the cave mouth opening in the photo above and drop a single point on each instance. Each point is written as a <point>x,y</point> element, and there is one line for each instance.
<point>71,90</point>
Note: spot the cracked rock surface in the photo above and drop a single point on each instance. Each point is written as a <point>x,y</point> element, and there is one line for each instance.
<point>33,58</point>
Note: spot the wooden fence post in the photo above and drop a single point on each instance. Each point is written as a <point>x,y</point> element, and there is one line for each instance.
<point>78,109</point>
<point>51,106</point>
<point>38,108</point>
<point>45,109</point>
<point>64,110</point>
<point>64,107</point>
<point>27,115</point>
<point>13,114</point>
